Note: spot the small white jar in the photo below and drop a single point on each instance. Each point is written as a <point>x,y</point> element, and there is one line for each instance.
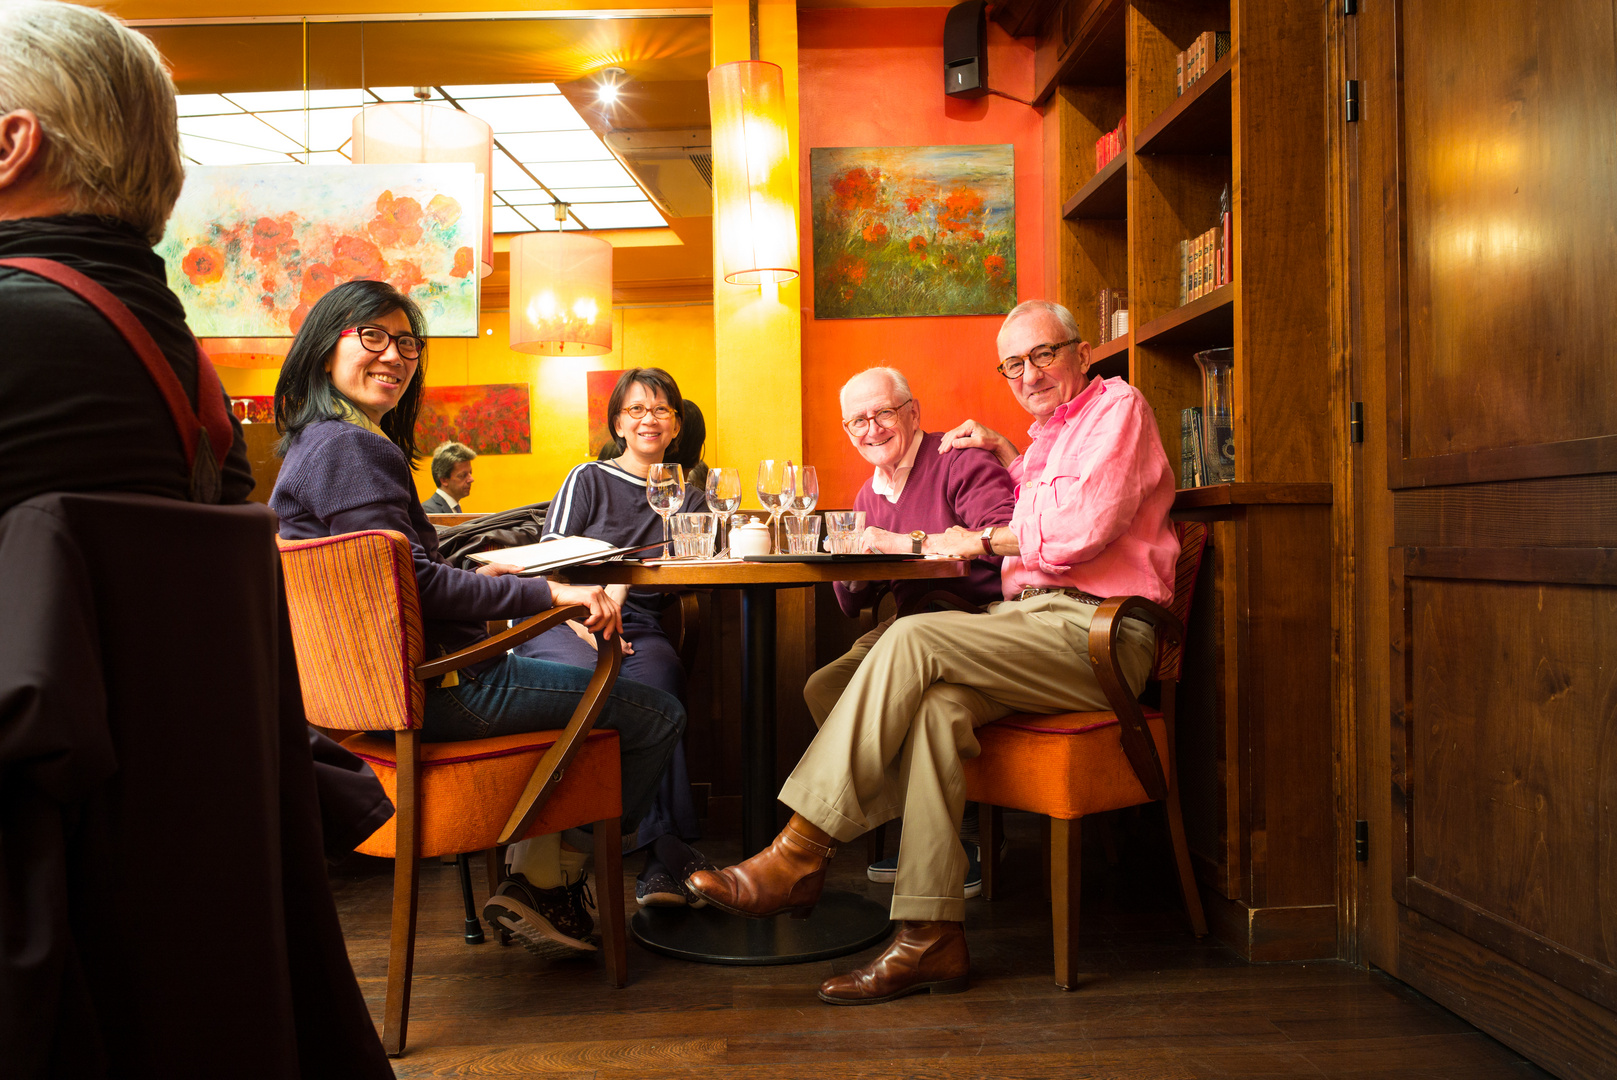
<point>750,539</point>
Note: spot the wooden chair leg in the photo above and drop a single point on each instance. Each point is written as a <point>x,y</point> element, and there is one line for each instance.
<point>990,836</point>
<point>1044,847</point>
<point>876,844</point>
<point>496,874</point>
<point>1066,882</point>
<point>406,882</point>
<point>474,925</point>
<point>609,898</point>
<point>1181,858</point>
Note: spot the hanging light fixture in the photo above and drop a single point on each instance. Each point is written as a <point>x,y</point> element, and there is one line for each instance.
<point>561,292</point>
<point>753,184</point>
<point>426,134</point>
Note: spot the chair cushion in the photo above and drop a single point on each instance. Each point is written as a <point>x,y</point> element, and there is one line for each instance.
<point>1067,765</point>
<point>468,789</point>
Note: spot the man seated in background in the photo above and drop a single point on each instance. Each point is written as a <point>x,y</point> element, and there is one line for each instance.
<point>452,472</point>
<point>913,490</point>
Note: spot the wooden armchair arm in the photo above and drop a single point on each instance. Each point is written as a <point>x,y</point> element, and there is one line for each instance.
<point>1104,629</point>
<point>499,643</point>
<point>548,773</point>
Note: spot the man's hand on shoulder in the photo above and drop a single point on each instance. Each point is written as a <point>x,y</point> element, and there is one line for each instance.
<point>971,433</point>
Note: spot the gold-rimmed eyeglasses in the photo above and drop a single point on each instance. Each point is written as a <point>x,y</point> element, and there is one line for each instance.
<point>886,418</point>
<point>658,412</point>
<point>1040,357</point>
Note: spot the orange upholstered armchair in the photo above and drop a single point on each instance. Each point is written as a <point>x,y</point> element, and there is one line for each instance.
<point>356,627</point>
<point>1074,764</point>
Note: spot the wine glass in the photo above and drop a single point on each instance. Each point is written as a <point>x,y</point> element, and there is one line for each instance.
<point>665,491</point>
<point>724,498</point>
<point>775,480</point>
<point>805,492</point>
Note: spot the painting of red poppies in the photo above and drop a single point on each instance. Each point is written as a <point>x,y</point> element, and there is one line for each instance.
<point>250,249</point>
<point>599,386</point>
<point>913,230</point>
<point>490,419</point>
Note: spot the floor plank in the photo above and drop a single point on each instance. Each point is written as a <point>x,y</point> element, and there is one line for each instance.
<point>1155,1003</point>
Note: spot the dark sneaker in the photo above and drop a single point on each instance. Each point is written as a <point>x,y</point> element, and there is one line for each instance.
<point>656,887</point>
<point>548,922</point>
<point>682,861</point>
<point>582,892</point>
<point>886,871</point>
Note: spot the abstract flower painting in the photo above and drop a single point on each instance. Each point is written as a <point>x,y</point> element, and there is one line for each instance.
<point>490,419</point>
<point>250,249</point>
<point>913,230</point>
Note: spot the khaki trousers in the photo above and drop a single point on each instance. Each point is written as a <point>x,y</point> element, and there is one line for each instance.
<point>892,744</point>
<point>824,688</point>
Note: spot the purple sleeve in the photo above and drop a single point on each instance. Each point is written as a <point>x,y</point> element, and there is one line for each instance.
<point>980,489</point>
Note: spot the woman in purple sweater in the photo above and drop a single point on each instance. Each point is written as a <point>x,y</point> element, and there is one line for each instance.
<point>346,405</point>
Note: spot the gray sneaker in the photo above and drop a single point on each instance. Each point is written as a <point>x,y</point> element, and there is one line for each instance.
<point>548,922</point>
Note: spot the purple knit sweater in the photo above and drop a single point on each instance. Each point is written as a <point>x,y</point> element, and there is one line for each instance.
<point>963,487</point>
<point>340,478</point>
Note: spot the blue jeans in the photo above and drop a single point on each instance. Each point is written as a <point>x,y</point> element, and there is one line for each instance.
<point>517,694</point>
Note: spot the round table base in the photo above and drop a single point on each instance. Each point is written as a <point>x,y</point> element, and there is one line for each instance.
<point>842,923</point>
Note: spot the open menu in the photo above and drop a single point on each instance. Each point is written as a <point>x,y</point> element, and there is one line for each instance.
<point>549,555</point>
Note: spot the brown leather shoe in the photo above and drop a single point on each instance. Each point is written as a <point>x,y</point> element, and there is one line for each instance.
<point>923,956</point>
<point>786,876</point>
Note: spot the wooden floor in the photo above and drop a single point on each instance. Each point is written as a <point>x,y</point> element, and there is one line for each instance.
<point>1160,1006</point>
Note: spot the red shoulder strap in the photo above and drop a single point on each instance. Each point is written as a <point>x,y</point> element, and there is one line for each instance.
<point>215,419</point>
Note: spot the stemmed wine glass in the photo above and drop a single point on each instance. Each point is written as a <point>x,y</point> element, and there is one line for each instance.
<point>774,491</point>
<point>665,491</point>
<point>805,491</point>
<point>724,499</point>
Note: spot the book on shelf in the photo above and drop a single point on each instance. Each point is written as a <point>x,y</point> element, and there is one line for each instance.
<point>1112,302</point>
<point>1110,145</point>
<point>1190,65</point>
<point>1190,447</point>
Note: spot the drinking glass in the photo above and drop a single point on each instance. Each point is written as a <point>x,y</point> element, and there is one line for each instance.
<point>696,533</point>
<point>775,481</point>
<point>844,527</point>
<point>724,498</point>
<point>803,534</point>
<point>665,491</point>
<point>805,491</point>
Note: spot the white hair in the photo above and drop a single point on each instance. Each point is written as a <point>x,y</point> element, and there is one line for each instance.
<point>895,377</point>
<point>1069,325</point>
<point>105,103</point>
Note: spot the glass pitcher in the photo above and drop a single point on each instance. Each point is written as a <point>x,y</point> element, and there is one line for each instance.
<point>1218,414</point>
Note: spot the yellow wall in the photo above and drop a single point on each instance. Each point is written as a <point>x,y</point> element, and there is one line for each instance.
<point>678,337</point>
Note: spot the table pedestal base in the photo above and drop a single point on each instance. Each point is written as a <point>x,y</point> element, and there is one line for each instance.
<point>842,923</point>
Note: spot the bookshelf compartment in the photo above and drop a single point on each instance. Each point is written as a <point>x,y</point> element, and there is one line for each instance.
<point>1198,122</point>
<point>1110,359</point>
<point>1105,197</point>
<point>1207,322</point>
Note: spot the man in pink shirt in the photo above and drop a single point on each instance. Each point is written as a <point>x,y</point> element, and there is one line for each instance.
<point>1090,521</point>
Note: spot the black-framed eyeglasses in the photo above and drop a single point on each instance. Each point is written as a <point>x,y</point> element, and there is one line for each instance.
<point>886,418</point>
<point>375,340</point>
<point>638,412</point>
<point>1040,357</point>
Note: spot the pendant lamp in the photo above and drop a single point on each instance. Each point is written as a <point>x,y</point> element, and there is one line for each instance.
<point>430,134</point>
<point>753,183</point>
<point>561,293</point>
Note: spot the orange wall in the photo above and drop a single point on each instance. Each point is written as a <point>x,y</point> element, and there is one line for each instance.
<point>874,77</point>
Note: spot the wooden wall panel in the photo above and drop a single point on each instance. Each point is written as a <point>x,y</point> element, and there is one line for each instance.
<point>1511,158</point>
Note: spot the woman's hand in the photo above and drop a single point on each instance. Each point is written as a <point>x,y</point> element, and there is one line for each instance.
<point>605,617</point>
<point>495,569</point>
<point>971,433</point>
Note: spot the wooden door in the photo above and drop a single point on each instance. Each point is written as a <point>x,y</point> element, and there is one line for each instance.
<point>1477,194</point>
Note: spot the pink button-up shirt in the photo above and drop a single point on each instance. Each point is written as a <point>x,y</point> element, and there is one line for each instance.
<point>1092,498</point>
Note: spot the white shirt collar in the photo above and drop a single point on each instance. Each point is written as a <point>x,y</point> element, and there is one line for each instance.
<point>454,505</point>
<point>901,474</point>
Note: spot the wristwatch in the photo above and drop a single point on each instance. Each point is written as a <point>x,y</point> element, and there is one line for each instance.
<point>917,538</point>
<point>987,537</point>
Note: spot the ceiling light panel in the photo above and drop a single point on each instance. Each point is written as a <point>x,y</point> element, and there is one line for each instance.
<point>403,93</point>
<point>243,129</point>
<point>535,146</point>
<point>500,90</point>
<point>529,113</point>
<point>211,152</point>
<point>641,215</point>
<point>569,174</point>
<point>268,100</point>
<point>508,175</point>
<point>329,129</point>
<point>600,194</point>
<point>507,220</point>
<point>203,104</point>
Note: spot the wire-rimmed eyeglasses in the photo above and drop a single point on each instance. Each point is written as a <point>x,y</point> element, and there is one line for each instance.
<point>886,418</point>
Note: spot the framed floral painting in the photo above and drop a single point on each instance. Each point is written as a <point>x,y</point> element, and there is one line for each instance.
<point>249,249</point>
<point>490,419</point>
<point>913,230</point>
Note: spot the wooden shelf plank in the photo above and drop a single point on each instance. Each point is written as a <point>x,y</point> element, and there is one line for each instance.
<point>1252,495</point>
<point>1111,358</point>
<point>1105,197</point>
<point>1208,320</point>
<point>1198,122</point>
<point>1095,56</point>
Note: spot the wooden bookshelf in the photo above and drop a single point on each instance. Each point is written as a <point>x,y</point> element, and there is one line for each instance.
<point>1255,735</point>
<point>1110,359</point>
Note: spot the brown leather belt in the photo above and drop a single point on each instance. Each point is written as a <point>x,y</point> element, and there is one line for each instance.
<point>1076,594</point>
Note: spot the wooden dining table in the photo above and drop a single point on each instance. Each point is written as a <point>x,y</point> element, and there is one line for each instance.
<point>842,922</point>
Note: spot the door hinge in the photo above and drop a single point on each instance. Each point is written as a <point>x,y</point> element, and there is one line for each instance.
<point>1361,840</point>
<point>1350,7</point>
<point>1356,422</point>
<point>1352,101</point>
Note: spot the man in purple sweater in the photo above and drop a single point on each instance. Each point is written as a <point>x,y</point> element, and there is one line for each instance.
<point>913,490</point>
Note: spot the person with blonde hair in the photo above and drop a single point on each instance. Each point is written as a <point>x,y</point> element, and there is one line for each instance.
<point>90,169</point>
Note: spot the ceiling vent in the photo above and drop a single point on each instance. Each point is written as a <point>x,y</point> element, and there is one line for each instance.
<point>675,167</point>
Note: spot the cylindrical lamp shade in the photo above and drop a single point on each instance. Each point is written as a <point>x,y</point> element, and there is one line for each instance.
<point>246,352</point>
<point>561,294</point>
<point>415,132</point>
<point>753,182</point>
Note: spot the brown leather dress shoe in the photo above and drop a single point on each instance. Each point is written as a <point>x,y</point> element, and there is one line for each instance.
<point>923,956</point>
<point>786,876</point>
